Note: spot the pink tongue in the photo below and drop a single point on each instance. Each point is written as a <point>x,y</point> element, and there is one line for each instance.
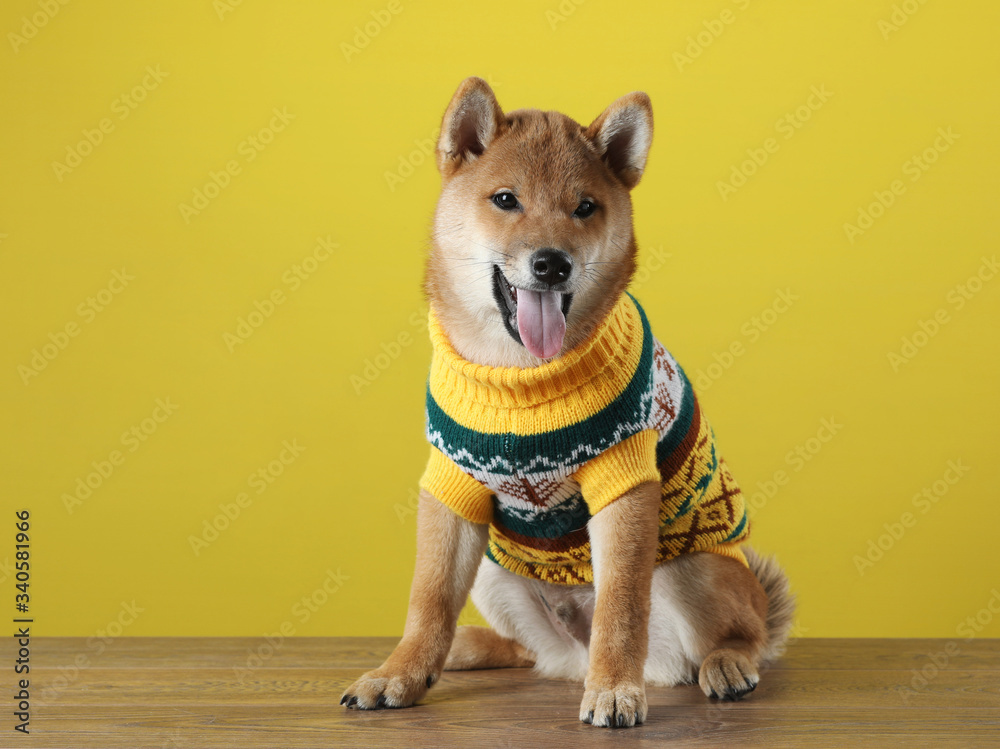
<point>540,321</point>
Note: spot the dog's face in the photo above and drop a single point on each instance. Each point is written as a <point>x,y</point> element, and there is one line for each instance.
<point>533,240</point>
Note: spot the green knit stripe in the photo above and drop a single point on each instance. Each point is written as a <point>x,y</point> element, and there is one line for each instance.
<point>740,530</point>
<point>569,515</point>
<point>555,451</point>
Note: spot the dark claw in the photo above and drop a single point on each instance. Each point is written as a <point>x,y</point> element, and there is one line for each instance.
<point>590,717</point>
<point>732,695</point>
<point>380,702</point>
<point>344,699</point>
<point>430,680</point>
<point>352,702</point>
<point>621,720</point>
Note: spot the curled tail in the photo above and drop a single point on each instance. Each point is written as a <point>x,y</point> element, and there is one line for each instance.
<point>780,601</point>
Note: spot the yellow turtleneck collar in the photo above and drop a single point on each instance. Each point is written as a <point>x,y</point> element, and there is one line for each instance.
<point>568,389</point>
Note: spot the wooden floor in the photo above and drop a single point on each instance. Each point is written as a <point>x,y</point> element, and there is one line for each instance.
<point>194,692</point>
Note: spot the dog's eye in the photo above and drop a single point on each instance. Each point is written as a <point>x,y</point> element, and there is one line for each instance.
<point>586,208</point>
<point>506,200</point>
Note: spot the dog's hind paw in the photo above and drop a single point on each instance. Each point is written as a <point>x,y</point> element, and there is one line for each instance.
<point>727,675</point>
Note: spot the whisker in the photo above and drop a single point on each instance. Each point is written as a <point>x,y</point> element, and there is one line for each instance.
<point>594,274</point>
<point>485,247</point>
<point>453,229</point>
<point>478,244</point>
<point>469,260</point>
<point>482,277</point>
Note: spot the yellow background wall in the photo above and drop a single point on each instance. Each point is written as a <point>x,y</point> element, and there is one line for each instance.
<point>317,131</point>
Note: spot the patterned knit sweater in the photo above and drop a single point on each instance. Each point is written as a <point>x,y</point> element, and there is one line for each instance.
<point>535,452</point>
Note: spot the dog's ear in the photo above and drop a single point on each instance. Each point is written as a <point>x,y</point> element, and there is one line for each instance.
<point>471,122</point>
<point>622,134</point>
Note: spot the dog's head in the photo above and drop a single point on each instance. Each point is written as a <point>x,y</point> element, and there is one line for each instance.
<point>533,240</point>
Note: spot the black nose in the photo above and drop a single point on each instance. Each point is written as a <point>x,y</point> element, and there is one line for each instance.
<point>551,266</point>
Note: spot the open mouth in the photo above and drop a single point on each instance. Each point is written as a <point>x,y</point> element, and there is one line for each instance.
<point>535,319</point>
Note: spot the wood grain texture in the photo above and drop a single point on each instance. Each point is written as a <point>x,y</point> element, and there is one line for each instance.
<point>225,692</point>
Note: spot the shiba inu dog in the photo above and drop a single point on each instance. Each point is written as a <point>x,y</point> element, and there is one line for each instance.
<point>574,487</point>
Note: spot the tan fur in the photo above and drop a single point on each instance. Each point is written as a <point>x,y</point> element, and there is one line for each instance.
<point>700,603</point>
<point>448,552</point>
<point>780,601</point>
<point>552,163</point>
<point>482,647</point>
<point>623,539</point>
<point>701,616</point>
<point>727,607</point>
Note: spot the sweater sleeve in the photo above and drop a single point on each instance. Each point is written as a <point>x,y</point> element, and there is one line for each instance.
<point>456,489</point>
<point>619,469</point>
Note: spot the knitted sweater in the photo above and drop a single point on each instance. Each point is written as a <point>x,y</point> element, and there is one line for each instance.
<point>535,452</point>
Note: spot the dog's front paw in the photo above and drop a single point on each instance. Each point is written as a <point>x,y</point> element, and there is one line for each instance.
<point>727,674</point>
<point>619,706</point>
<point>383,688</point>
